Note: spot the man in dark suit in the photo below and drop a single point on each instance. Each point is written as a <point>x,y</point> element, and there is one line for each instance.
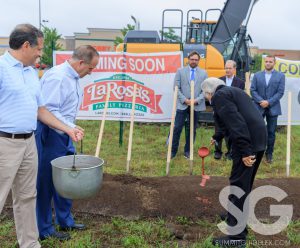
<point>230,80</point>
<point>235,114</point>
<point>182,80</point>
<point>267,89</point>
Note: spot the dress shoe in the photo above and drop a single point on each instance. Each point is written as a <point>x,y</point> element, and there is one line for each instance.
<point>186,155</point>
<point>229,242</point>
<point>57,235</point>
<point>75,227</point>
<point>269,158</point>
<point>218,155</point>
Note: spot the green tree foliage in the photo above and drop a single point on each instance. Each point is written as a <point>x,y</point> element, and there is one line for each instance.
<point>256,63</point>
<point>124,31</point>
<point>170,35</point>
<point>50,44</point>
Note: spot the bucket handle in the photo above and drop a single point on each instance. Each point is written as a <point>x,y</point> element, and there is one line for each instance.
<point>74,173</point>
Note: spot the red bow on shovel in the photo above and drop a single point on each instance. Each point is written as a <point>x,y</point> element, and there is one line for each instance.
<point>203,152</point>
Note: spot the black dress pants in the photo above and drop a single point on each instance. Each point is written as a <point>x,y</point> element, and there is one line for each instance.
<point>243,177</point>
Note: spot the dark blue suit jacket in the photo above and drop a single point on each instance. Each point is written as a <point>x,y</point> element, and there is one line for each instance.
<point>272,92</point>
<point>236,82</point>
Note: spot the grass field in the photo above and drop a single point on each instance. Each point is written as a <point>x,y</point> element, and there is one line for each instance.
<point>149,151</point>
<point>149,159</point>
<point>119,232</point>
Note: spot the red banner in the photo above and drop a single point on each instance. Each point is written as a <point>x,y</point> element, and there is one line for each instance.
<point>138,64</point>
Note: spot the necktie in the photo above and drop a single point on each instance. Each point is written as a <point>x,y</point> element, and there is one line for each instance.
<point>193,75</point>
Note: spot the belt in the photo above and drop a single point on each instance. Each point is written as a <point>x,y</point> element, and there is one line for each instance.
<point>16,136</point>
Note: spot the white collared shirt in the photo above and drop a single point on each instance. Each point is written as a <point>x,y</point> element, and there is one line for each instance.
<point>229,81</point>
<point>62,93</point>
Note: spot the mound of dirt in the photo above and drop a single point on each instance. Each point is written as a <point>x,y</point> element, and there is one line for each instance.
<point>168,197</point>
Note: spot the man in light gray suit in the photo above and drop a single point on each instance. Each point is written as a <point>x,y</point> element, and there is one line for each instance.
<point>182,80</point>
<point>267,89</point>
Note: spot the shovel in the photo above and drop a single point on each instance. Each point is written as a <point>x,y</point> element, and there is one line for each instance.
<point>203,152</point>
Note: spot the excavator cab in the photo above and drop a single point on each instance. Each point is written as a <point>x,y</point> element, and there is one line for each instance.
<point>199,30</point>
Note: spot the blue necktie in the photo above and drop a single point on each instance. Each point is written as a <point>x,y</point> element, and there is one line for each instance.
<point>193,75</point>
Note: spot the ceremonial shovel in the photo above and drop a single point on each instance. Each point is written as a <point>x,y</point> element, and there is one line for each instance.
<point>203,152</point>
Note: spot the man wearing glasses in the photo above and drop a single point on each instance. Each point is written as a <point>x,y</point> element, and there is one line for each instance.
<point>182,79</point>
<point>62,95</point>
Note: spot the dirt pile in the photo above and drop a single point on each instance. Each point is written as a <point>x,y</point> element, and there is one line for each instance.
<point>132,197</point>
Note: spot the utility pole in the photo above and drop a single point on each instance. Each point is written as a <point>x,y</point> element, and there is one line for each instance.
<point>40,16</point>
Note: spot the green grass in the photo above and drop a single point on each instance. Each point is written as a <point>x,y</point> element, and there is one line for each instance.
<point>6,228</point>
<point>119,232</point>
<point>293,232</point>
<point>7,232</point>
<point>149,151</point>
<point>182,220</point>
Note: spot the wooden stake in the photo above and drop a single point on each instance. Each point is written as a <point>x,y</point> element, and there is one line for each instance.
<point>247,83</point>
<point>192,126</point>
<point>102,123</point>
<point>171,130</point>
<point>131,130</point>
<point>288,136</point>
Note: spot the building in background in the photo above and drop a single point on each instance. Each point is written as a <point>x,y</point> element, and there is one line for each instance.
<point>101,38</point>
<point>284,54</point>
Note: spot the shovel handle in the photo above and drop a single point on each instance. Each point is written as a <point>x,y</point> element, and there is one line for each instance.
<point>171,130</point>
<point>131,128</point>
<point>81,146</point>
<point>99,141</point>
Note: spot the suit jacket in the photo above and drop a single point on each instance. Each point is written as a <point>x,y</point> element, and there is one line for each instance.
<point>182,80</point>
<point>235,114</point>
<point>272,93</point>
<point>236,82</point>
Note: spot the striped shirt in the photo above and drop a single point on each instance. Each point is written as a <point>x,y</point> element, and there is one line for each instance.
<point>62,93</point>
<point>19,96</point>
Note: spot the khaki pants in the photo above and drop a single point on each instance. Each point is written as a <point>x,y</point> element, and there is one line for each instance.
<point>18,171</point>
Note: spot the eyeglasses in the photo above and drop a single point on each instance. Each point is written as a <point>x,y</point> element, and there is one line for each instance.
<point>194,60</point>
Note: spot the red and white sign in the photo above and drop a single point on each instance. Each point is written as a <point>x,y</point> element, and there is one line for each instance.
<point>153,73</point>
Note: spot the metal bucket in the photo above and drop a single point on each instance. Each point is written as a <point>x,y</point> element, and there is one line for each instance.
<point>82,181</point>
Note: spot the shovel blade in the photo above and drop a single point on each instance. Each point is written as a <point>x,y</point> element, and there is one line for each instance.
<point>203,152</point>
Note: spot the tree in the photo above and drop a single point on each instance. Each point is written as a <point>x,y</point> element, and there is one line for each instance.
<point>50,44</point>
<point>170,35</point>
<point>256,63</point>
<point>124,31</point>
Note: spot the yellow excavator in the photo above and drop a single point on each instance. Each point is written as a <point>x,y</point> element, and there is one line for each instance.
<point>215,41</point>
